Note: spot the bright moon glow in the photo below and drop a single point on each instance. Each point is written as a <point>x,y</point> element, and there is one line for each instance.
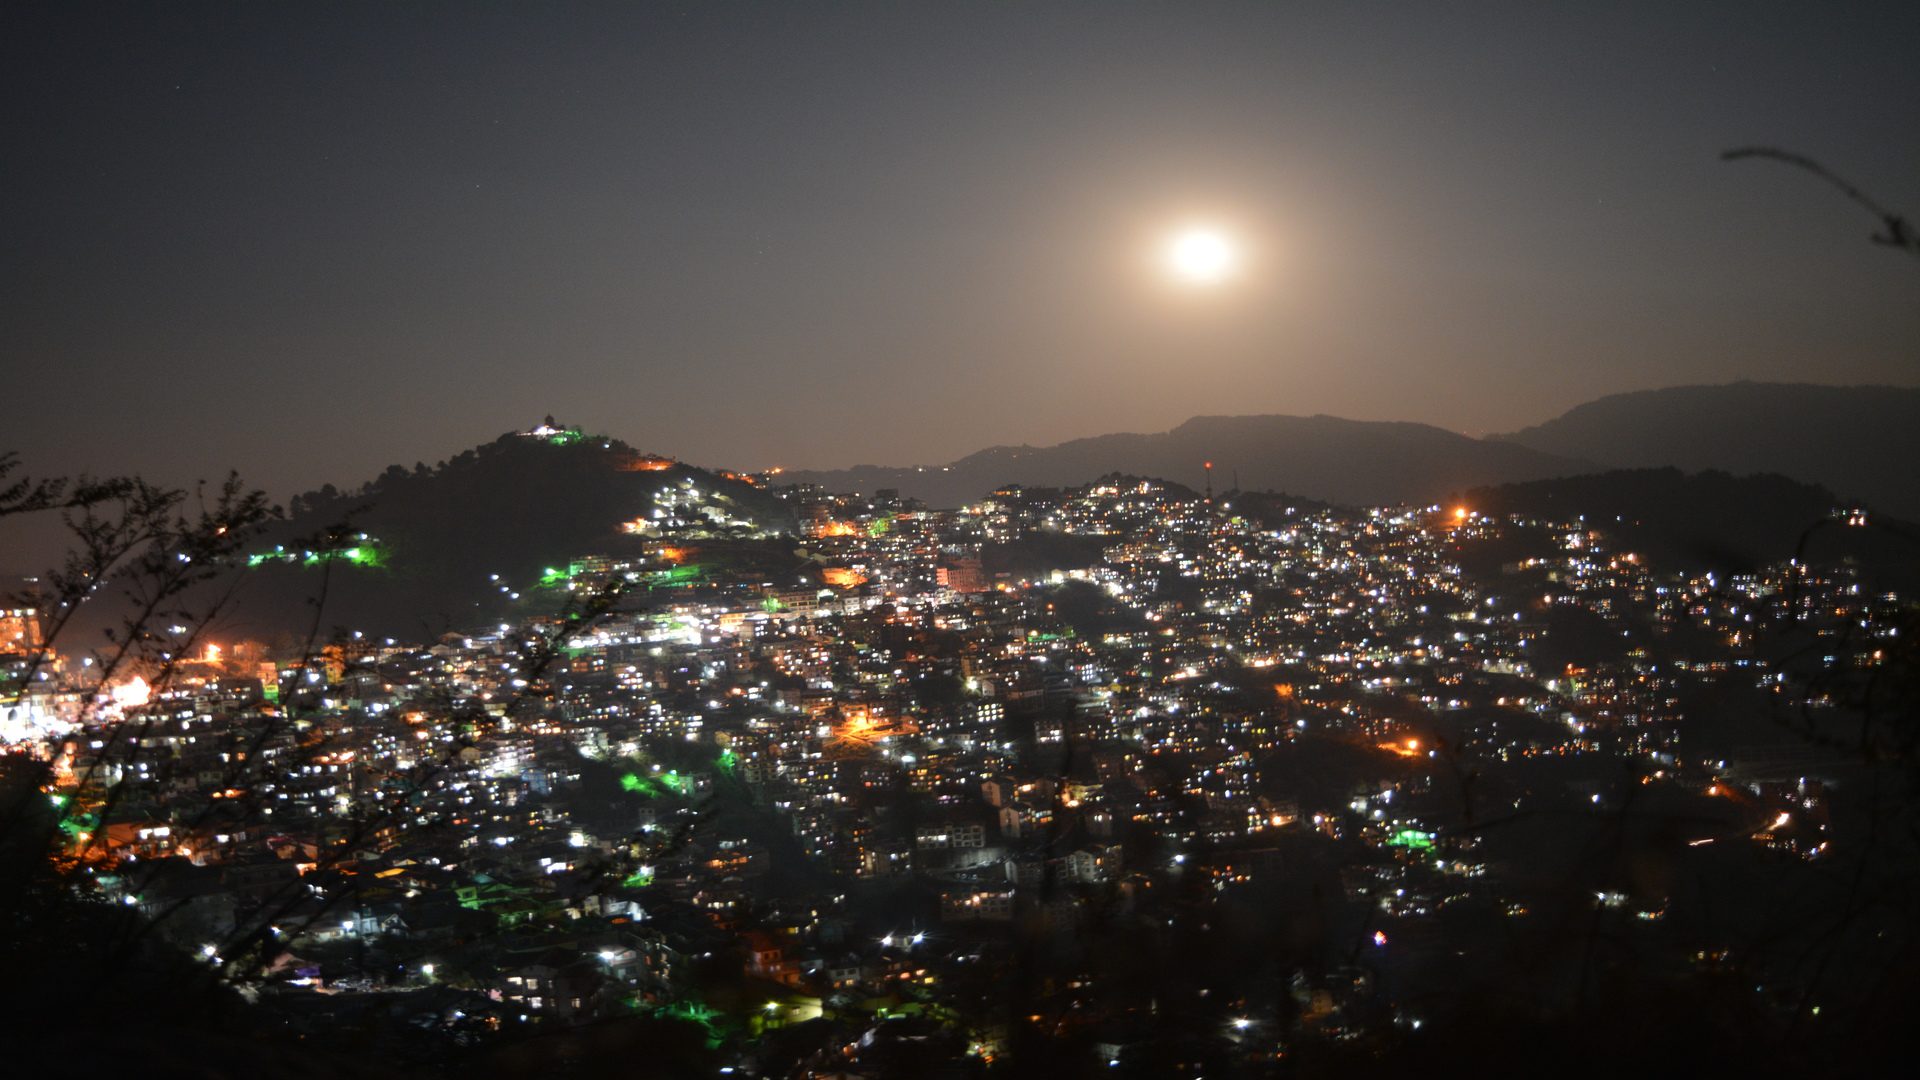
<point>1201,256</point>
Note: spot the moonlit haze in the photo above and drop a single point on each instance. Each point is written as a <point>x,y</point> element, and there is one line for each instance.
<point>725,231</point>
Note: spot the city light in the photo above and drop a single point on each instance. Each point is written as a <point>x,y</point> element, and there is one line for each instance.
<point>908,729</point>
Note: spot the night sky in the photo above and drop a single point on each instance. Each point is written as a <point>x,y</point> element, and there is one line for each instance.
<point>312,240</point>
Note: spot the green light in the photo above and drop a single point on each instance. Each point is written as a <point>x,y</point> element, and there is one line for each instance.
<point>365,553</point>
<point>79,825</point>
<point>639,879</point>
<point>695,1012</point>
<point>678,575</point>
<point>880,526</point>
<point>655,786</point>
<point>1412,839</point>
<point>727,761</point>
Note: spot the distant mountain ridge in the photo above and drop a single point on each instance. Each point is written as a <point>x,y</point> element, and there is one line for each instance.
<point>1355,462</point>
<point>1862,442</point>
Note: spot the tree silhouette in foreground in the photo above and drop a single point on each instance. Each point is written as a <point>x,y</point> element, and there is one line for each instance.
<point>95,970</point>
<point>1896,232</point>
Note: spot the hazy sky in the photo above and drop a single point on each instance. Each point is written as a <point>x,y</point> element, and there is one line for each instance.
<point>311,240</point>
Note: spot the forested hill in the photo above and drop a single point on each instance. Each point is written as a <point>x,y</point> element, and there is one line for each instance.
<point>421,547</point>
<point>1861,442</point>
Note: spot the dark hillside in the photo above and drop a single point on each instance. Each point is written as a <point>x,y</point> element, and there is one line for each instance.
<point>1713,520</point>
<point>425,544</point>
<point>1859,441</point>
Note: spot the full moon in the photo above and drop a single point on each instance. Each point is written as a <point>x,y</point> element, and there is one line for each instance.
<point>1201,256</point>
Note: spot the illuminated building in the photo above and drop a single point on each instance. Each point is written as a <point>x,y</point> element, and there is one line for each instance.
<point>19,630</point>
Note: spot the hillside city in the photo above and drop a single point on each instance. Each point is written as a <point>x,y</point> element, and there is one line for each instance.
<point>1164,781</point>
